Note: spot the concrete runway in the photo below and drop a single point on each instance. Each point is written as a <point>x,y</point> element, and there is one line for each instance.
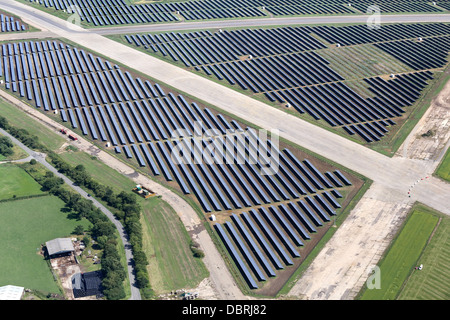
<point>267,22</point>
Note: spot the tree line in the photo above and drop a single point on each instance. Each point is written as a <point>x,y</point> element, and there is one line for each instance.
<point>6,147</point>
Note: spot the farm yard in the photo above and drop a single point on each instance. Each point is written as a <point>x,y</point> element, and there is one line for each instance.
<point>17,183</point>
<point>165,238</point>
<point>137,120</point>
<point>432,282</point>
<point>443,171</point>
<point>361,83</point>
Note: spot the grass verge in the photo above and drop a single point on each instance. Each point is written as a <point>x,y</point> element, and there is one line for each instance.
<point>443,170</point>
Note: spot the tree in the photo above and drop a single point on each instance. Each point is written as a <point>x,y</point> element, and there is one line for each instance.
<point>79,229</point>
<point>102,241</point>
<point>6,146</point>
<point>86,240</point>
<point>140,258</point>
<point>80,175</point>
<point>52,183</point>
<point>113,292</point>
<point>4,123</point>
<point>103,228</point>
<point>49,174</point>
<point>99,190</point>
<point>142,279</point>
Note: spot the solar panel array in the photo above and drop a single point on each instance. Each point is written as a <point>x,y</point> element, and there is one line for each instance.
<point>105,103</point>
<point>115,12</point>
<point>359,34</point>
<point>10,24</point>
<point>285,66</point>
<point>265,241</point>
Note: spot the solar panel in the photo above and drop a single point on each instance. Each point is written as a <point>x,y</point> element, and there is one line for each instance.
<point>279,232</point>
<point>294,221</point>
<point>272,238</point>
<point>234,254</point>
<point>138,155</point>
<point>342,177</point>
<point>246,253</point>
<point>253,246</point>
<point>262,241</point>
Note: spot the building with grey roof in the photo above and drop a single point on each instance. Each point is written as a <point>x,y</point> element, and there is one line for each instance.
<point>59,246</point>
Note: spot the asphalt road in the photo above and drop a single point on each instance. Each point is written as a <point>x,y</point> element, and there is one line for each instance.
<point>266,22</point>
<point>40,157</point>
<point>394,175</point>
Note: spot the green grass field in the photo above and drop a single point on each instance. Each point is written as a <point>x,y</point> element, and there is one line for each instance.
<point>25,225</point>
<point>433,281</point>
<point>403,255</point>
<point>99,171</point>
<point>362,61</point>
<point>16,182</point>
<point>443,171</point>
<point>166,242</point>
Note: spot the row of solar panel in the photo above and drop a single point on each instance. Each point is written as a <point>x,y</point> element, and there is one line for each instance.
<point>143,116</point>
<point>221,13</point>
<point>336,103</point>
<point>148,39</point>
<point>9,24</point>
<point>246,175</point>
<point>278,72</point>
<point>122,13</point>
<point>429,53</point>
<point>230,45</point>
<point>308,9</point>
<point>113,12</point>
<point>269,238</point>
<point>339,105</point>
<point>359,34</point>
<point>110,14</point>
<point>402,7</point>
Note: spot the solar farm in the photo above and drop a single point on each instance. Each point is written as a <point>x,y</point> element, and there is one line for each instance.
<point>120,12</point>
<point>141,121</point>
<point>171,96</point>
<point>10,24</point>
<point>306,75</point>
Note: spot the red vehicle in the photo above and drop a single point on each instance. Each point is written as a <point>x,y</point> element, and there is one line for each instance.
<point>63,131</point>
<point>73,137</point>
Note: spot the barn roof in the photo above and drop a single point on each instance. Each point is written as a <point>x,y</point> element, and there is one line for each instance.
<point>59,245</point>
<point>10,292</point>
